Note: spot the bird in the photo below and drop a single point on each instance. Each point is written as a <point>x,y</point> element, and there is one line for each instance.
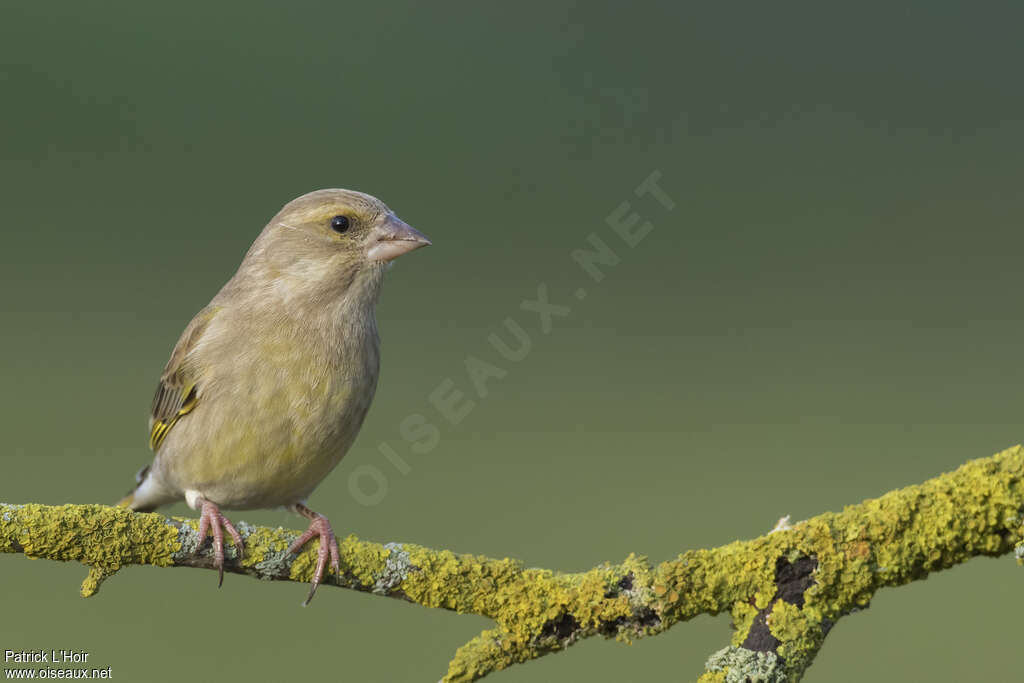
<point>269,384</point>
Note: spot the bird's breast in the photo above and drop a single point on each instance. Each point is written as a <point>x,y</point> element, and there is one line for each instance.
<point>278,411</point>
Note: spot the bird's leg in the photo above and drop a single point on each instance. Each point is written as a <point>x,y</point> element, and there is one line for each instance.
<point>321,528</point>
<point>210,518</point>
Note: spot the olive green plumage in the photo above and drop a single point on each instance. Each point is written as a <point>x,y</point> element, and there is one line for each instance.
<point>269,384</point>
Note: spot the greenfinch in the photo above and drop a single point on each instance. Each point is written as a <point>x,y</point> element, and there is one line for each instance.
<point>268,386</point>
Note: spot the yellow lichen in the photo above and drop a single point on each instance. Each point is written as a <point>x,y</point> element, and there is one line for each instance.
<point>891,540</point>
<point>743,614</point>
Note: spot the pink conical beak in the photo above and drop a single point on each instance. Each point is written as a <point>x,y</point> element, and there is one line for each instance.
<point>392,238</point>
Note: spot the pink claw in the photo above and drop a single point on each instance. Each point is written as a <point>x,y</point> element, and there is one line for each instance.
<point>321,528</point>
<point>211,518</point>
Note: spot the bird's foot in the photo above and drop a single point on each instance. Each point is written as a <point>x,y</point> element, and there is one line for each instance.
<point>210,519</point>
<point>321,528</point>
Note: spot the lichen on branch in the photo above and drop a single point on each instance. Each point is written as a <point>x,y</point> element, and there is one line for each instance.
<point>785,590</point>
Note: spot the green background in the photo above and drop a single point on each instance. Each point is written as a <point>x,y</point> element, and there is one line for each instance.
<point>831,311</point>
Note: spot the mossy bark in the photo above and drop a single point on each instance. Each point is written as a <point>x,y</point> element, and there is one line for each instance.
<point>785,590</point>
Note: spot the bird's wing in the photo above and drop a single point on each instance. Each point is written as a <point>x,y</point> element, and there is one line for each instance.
<point>178,391</point>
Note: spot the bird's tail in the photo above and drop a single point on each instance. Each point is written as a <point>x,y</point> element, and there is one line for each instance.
<point>133,501</point>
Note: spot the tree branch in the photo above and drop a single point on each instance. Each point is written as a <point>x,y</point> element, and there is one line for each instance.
<point>785,589</point>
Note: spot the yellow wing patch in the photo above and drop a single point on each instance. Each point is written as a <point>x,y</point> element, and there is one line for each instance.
<point>161,427</point>
<point>178,393</point>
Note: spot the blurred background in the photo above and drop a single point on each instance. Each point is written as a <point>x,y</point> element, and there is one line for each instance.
<point>831,310</point>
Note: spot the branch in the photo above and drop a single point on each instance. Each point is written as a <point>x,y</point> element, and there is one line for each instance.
<point>785,590</point>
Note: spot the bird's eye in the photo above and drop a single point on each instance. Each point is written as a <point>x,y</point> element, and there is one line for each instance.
<point>340,223</point>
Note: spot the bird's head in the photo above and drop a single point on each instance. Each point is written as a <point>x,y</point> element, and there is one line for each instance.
<point>347,222</point>
<point>333,238</point>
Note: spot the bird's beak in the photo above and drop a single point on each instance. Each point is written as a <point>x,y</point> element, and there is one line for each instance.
<point>392,238</point>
